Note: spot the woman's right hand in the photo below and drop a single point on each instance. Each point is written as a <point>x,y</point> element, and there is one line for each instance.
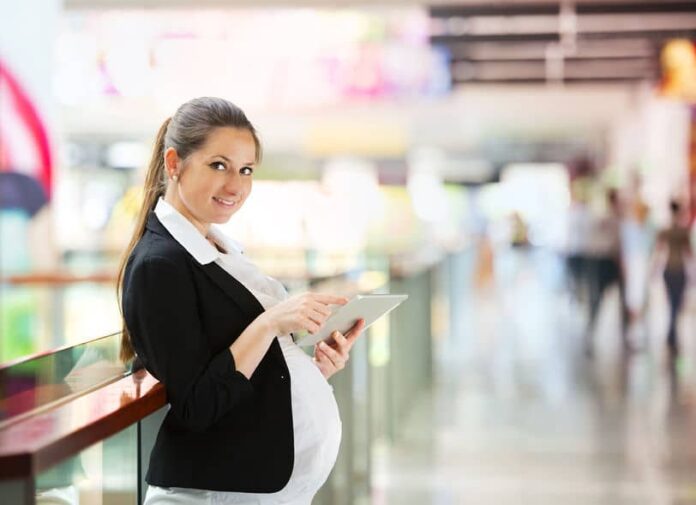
<point>307,311</point>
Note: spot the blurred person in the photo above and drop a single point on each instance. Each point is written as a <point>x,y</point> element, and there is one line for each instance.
<point>605,266</point>
<point>673,248</point>
<point>638,238</point>
<point>252,418</point>
<point>577,242</point>
<point>520,231</point>
<point>483,271</point>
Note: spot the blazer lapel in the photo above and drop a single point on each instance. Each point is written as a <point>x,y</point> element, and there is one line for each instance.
<point>233,288</point>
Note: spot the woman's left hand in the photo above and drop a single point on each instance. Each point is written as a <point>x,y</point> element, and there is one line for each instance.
<point>330,358</point>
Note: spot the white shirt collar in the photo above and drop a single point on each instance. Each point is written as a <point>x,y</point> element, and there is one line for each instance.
<point>190,237</point>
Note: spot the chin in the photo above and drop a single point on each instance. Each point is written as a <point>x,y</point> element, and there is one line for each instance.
<point>222,218</point>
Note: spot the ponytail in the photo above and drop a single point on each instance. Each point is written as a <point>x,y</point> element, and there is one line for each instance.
<point>155,186</point>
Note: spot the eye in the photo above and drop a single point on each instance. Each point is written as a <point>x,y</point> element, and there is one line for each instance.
<point>247,170</point>
<point>218,165</point>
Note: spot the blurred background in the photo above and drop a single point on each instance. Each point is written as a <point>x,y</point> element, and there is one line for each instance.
<point>525,170</point>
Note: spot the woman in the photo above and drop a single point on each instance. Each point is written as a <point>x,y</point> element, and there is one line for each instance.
<point>605,267</point>
<point>674,243</point>
<point>252,419</point>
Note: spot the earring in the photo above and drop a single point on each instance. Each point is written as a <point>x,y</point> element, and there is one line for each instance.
<point>175,178</point>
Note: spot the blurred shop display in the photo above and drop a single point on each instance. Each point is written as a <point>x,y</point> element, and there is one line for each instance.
<point>26,173</point>
<point>39,307</point>
<point>136,54</point>
<point>678,60</point>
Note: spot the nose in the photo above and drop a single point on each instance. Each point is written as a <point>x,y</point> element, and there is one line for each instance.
<point>233,183</point>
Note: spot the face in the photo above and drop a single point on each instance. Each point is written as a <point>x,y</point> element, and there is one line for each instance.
<point>215,180</point>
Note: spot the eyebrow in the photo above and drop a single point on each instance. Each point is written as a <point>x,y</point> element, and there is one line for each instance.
<point>230,161</point>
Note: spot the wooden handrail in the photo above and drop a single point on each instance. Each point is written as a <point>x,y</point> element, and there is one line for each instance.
<point>58,278</point>
<point>41,441</point>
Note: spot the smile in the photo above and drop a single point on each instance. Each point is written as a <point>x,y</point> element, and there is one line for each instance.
<point>226,203</point>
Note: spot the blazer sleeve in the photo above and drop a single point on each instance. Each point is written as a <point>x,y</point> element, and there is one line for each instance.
<point>160,309</point>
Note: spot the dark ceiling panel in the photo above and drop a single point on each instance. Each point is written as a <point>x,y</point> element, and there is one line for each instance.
<point>509,42</point>
<point>570,59</point>
<point>584,49</point>
<point>492,9</point>
<point>635,7</point>
<point>651,35</point>
<point>587,80</point>
<point>545,8</point>
<point>512,37</point>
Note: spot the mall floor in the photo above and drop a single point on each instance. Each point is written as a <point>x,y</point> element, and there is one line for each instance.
<point>519,414</point>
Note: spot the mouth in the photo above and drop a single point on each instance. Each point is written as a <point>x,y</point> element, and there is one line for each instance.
<point>226,203</point>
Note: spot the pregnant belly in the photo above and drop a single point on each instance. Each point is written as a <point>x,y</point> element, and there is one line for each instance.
<point>316,420</point>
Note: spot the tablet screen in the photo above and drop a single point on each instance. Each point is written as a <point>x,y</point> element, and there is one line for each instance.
<point>367,307</point>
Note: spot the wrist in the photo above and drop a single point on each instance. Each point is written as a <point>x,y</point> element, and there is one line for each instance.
<point>266,326</point>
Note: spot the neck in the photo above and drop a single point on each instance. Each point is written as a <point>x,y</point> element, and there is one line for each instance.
<point>176,202</point>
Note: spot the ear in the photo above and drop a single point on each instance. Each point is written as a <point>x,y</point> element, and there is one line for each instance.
<point>172,162</point>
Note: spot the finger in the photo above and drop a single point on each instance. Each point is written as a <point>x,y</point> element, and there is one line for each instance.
<point>321,357</point>
<point>321,309</point>
<point>330,299</point>
<point>309,325</point>
<point>318,317</point>
<point>342,344</point>
<point>324,364</point>
<point>357,328</point>
<point>318,355</point>
<point>308,304</point>
<point>333,355</point>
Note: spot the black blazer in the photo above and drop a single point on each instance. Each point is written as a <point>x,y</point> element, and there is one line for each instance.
<point>222,432</point>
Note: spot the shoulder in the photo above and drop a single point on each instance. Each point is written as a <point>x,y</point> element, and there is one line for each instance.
<point>153,247</point>
<point>156,258</point>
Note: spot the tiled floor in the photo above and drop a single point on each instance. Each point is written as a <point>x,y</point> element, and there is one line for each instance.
<point>520,415</point>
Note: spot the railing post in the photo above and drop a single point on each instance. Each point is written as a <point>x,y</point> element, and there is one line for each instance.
<point>19,491</point>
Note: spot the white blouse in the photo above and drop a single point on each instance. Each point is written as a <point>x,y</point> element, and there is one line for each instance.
<point>316,420</point>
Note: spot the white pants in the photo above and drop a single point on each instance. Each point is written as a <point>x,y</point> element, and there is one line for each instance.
<point>58,496</point>
<point>184,496</point>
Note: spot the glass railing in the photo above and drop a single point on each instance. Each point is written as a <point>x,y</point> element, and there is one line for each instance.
<point>105,472</point>
<point>40,312</point>
<point>82,443</point>
<point>43,380</point>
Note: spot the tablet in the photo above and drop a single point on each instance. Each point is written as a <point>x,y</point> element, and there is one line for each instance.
<point>343,317</point>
